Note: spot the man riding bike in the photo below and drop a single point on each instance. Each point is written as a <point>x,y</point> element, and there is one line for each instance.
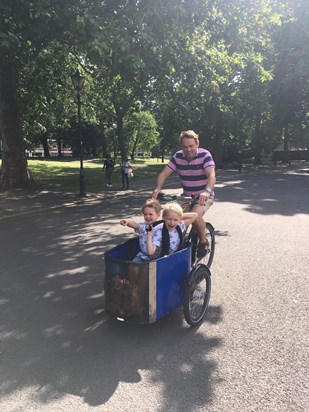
<point>196,169</point>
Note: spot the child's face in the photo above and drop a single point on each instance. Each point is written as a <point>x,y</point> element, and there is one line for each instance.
<point>171,220</point>
<point>150,215</point>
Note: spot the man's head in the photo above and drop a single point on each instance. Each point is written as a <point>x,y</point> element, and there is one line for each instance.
<point>189,143</point>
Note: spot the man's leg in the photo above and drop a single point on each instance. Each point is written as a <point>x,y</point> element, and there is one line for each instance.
<point>200,227</point>
<point>109,176</point>
<point>127,180</point>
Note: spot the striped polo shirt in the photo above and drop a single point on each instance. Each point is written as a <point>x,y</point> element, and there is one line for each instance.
<point>192,172</point>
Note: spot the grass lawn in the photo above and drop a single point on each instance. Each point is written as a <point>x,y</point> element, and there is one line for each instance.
<point>64,173</point>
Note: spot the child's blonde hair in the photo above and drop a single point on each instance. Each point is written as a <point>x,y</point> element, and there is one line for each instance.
<point>153,204</point>
<point>172,207</point>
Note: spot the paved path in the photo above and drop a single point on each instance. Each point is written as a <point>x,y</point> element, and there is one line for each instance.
<point>17,205</point>
<point>58,351</point>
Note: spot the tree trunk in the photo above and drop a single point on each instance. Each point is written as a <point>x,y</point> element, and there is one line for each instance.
<point>135,142</point>
<point>103,140</point>
<point>218,154</point>
<point>14,172</point>
<point>257,137</point>
<point>120,133</point>
<point>286,143</point>
<point>44,143</point>
<point>162,149</point>
<point>59,146</point>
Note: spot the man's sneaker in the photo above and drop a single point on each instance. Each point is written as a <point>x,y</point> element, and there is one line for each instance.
<point>202,249</point>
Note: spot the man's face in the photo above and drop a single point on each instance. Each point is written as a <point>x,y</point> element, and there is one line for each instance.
<point>189,147</point>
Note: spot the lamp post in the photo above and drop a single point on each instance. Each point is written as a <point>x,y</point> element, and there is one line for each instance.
<point>78,81</point>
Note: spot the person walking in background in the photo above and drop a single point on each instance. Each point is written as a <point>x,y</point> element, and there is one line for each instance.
<point>108,166</point>
<point>126,170</point>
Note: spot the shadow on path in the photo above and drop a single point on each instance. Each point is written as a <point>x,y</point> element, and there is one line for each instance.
<point>55,338</point>
<point>265,193</point>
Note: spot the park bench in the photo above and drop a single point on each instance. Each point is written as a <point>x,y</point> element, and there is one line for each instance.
<point>287,156</point>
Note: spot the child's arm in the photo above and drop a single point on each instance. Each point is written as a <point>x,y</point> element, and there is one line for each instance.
<point>152,249</point>
<point>189,218</point>
<point>129,222</point>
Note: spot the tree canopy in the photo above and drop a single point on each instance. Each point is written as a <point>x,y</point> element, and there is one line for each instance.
<point>235,71</point>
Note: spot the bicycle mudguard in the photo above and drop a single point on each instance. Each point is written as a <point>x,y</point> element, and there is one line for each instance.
<point>193,271</point>
<point>210,226</point>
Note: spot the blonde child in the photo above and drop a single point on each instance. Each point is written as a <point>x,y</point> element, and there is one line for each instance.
<point>151,211</point>
<point>166,238</point>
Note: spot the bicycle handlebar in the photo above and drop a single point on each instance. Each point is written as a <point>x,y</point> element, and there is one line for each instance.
<point>164,197</point>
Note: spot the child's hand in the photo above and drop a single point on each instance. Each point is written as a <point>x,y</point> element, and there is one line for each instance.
<point>129,223</point>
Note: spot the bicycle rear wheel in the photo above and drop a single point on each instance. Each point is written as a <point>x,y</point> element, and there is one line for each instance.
<point>197,294</point>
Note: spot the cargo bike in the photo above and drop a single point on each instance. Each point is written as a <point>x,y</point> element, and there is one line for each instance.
<point>143,293</point>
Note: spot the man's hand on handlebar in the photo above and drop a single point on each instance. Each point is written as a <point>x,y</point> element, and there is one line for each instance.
<point>204,196</point>
<point>155,193</point>
<point>200,199</point>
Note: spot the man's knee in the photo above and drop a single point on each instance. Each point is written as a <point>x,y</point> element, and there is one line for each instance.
<point>201,210</point>
<point>208,204</point>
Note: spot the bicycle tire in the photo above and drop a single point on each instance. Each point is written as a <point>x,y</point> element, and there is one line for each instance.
<point>197,294</point>
<point>193,241</point>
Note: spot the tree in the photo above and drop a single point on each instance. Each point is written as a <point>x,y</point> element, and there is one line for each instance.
<point>47,105</point>
<point>14,171</point>
<point>141,126</point>
<point>289,89</point>
<point>204,64</point>
<point>28,27</point>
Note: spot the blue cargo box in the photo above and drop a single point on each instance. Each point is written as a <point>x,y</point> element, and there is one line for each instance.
<point>144,292</point>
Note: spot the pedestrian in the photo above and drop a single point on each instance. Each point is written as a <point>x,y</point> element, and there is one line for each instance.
<point>196,169</point>
<point>126,172</point>
<point>108,166</point>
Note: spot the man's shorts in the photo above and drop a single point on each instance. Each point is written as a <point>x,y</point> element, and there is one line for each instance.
<point>186,205</point>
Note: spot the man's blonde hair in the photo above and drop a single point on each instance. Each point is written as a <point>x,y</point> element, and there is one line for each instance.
<point>172,207</point>
<point>188,134</point>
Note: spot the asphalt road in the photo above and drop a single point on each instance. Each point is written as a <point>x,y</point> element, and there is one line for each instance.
<point>59,352</point>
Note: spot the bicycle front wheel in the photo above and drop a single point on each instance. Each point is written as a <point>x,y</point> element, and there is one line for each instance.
<point>197,294</point>
<point>210,236</point>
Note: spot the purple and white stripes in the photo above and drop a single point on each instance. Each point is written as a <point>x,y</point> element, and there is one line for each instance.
<point>192,173</point>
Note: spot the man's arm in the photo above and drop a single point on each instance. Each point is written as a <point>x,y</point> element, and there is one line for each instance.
<point>211,176</point>
<point>166,172</point>
<point>211,181</point>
